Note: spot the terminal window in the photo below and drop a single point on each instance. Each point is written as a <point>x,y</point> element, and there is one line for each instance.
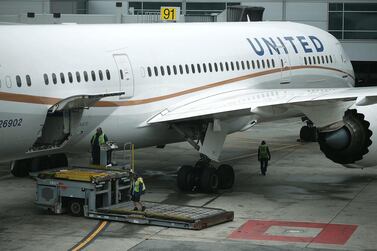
<point>353,20</point>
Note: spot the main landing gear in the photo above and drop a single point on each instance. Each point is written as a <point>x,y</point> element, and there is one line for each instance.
<point>22,167</point>
<point>205,177</point>
<point>308,133</point>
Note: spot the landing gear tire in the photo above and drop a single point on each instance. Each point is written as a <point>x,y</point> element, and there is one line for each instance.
<point>209,181</point>
<point>20,168</point>
<point>40,163</point>
<point>225,174</point>
<point>76,207</point>
<point>59,160</point>
<point>309,134</point>
<point>185,178</point>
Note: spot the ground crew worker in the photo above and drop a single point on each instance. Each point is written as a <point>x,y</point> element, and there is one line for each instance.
<point>263,156</point>
<point>98,139</point>
<point>137,189</point>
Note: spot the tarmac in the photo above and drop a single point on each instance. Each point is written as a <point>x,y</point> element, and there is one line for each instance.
<point>306,202</point>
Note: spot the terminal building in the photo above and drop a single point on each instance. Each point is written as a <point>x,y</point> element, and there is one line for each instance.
<point>353,22</point>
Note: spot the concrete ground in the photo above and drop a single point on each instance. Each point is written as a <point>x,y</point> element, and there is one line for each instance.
<point>301,186</point>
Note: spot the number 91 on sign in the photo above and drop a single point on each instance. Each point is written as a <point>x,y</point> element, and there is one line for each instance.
<point>169,13</point>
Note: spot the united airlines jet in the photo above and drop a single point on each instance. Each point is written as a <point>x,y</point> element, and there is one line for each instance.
<point>155,84</point>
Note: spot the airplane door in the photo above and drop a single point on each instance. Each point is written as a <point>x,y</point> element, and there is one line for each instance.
<point>285,67</point>
<point>125,74</point>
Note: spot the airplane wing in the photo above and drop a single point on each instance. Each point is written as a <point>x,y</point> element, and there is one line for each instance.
<point>325,107</point>
<point>246,102</point>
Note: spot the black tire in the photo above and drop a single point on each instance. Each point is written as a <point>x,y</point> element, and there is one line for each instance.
<point>226,176</point>
<point>40,163</point>
<point>209,181</point>
<point>76,207</point>
<point>185,178</point>
<point>20,168</point>
<point>309,134</point>
<point>59,160</point>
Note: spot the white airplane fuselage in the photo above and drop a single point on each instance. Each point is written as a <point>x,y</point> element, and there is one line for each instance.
<point>280,53</point>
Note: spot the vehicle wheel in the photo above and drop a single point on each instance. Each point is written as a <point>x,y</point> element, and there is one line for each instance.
<point>185,178</point>
<point>76,207</point>
<point>226,176</point>
<point>209,180</point>
<point>20,168</point>
<point>309,134</point>
<point>59,160</point>
<point>40,163</point>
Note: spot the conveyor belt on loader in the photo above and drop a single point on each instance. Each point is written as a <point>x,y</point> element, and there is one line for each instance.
<point>167,215</point>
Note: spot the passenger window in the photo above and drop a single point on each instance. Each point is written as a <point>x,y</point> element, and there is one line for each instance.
<point>238,65</point>
<point>54,79</point>
<point>192,68</point>
<point>253,64</point>
<point>18,81</point>
<point>310,60</point>
<point>45,76</point>
<point>28,80</point>
<point>258,64</point>
<point>180,69</point>
<point>305,62</point>
<point>263,64</point>
<point>100,74</point>
<point>323,59</point>
<point>94,75</point>
<point>216,69</point>
<point>78,77</point>
<point>175,70</point>
<point>226,66</point>
<point>168,70</point>
<point>62,78</point>
<point>243,65</point>
<point>273,63</point>
<point>204,67</point>
<point>108,76</point>
<point>149,71</point>
<point>248,64</point>
<point>318,60</point>
<point>155,71</point>
<point>330,59</point>
<point>314,60</point>
<point>327,59</point>
<point>198,66</point>
<point>162,70</point>
<point>210,67</point>
<point>70,77</point>
<point>268,63</point>
<point>120,73</point>
<point>232,65</point>
<point>221,66</point>
<point>187,69</point>
<point>86,78</point>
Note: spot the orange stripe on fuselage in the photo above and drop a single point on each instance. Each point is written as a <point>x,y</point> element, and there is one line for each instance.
<point>32,99</point>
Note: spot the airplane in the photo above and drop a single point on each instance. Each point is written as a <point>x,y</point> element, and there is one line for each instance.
<point>156,84</point>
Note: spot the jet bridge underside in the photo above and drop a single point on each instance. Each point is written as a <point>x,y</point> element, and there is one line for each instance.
<point>62,119</point>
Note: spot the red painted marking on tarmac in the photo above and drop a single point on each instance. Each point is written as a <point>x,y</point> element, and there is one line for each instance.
<point>330,233</point>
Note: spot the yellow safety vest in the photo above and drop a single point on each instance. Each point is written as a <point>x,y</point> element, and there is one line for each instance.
<point>101,139</point>
<point>263,152</point>
<point>137,184</point>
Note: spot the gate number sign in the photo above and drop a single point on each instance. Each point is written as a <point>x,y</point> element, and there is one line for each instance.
<point>169,13</point>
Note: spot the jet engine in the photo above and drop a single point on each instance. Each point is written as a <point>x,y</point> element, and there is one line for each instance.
<point>354,144</point>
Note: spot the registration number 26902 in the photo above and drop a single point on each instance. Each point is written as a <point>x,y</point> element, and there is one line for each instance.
<point>10,123</point>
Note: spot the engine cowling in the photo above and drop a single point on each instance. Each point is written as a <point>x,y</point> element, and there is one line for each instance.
<point>353,145</point>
